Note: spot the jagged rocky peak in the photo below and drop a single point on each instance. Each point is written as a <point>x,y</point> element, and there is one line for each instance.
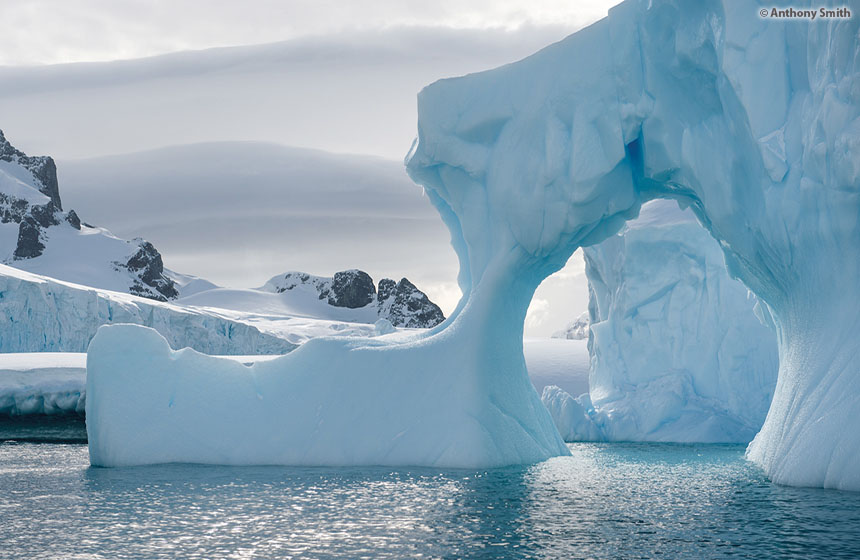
<point>43,169</point>
<point>30,197</point>
<point>576,330</point>
<point>147,270</point>
<point>405,305</point>
<point>352,288</point>
<point>401,303</point>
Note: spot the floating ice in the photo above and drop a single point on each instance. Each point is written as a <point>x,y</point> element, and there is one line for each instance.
<point>526,163</point>
<point>754,123</point>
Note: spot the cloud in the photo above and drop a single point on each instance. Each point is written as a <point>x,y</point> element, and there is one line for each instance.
<point>537,313</point>
<point>58,31</point>
<point>349,93</point>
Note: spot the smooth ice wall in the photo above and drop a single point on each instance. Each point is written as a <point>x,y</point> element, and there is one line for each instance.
<point>751,121</point>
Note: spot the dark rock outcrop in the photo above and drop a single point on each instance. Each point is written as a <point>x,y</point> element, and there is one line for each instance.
<point>73,219</point>
<point>406,306</point>
<point>43,169</point>
<point>147,269</point>
<point>401,303</point>
<point>29,239</point>
<point>352,289</point>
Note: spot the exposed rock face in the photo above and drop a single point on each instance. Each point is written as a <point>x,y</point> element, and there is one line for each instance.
<point>30,197</point>
<point>406,306</point>
<point>401,303</point>
<point>29,243</point>
<point>148,269</point>
<point>351,288</point>
<point>43,169</point>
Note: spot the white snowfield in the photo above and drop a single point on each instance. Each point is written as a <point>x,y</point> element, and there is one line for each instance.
<point>677,353</point>
<point>752,122</point>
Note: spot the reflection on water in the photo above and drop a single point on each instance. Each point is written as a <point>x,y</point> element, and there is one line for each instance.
<point>606,501</point>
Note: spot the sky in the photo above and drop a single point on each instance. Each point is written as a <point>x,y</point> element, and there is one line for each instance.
<point>227,84</point>
<point>63,31</point>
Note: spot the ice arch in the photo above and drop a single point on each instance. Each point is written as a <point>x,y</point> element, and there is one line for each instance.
<point>751,121</point>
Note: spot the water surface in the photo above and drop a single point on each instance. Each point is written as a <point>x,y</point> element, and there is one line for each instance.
<point>606,501</point>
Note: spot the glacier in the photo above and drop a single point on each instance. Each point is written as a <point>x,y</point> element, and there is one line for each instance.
<point>753,123</point>
<point>677,353</point>
<point>41,314</point>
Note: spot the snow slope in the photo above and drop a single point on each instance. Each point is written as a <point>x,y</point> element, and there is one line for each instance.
<point>677,353</point>
<point>37,236</point>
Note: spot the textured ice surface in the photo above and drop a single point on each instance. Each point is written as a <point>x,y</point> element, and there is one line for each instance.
<point>47,383</point>
<point>39,314</point>
<point>526,163</point>
<point>44,383</point>
<point>677,353</point>
<point>752,122</point>
<point>332,401</point>
<point>55,382</point>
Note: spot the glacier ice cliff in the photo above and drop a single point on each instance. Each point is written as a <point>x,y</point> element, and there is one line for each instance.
<point>677,352</point>
<point>40,314</point>
<point>754,123</point>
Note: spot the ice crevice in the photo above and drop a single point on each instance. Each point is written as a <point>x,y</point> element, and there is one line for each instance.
<point>661,99</point>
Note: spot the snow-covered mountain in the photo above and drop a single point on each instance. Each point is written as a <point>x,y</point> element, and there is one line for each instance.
<point>578,329</point>
<point>348,296</point>
<point>36,235</point>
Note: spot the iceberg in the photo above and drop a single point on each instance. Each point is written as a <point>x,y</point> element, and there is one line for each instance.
<point>754,123</point>
<point>677,353</point>
<point>42,383</point>
<point>332,401</point>
<point>525,163</point>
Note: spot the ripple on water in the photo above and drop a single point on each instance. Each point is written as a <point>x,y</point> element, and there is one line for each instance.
<point>605,501</point>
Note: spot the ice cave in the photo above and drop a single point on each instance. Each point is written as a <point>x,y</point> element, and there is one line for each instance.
<point>754,125</point>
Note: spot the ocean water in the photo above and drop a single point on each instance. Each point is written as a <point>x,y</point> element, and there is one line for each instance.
<point>605,501</point>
